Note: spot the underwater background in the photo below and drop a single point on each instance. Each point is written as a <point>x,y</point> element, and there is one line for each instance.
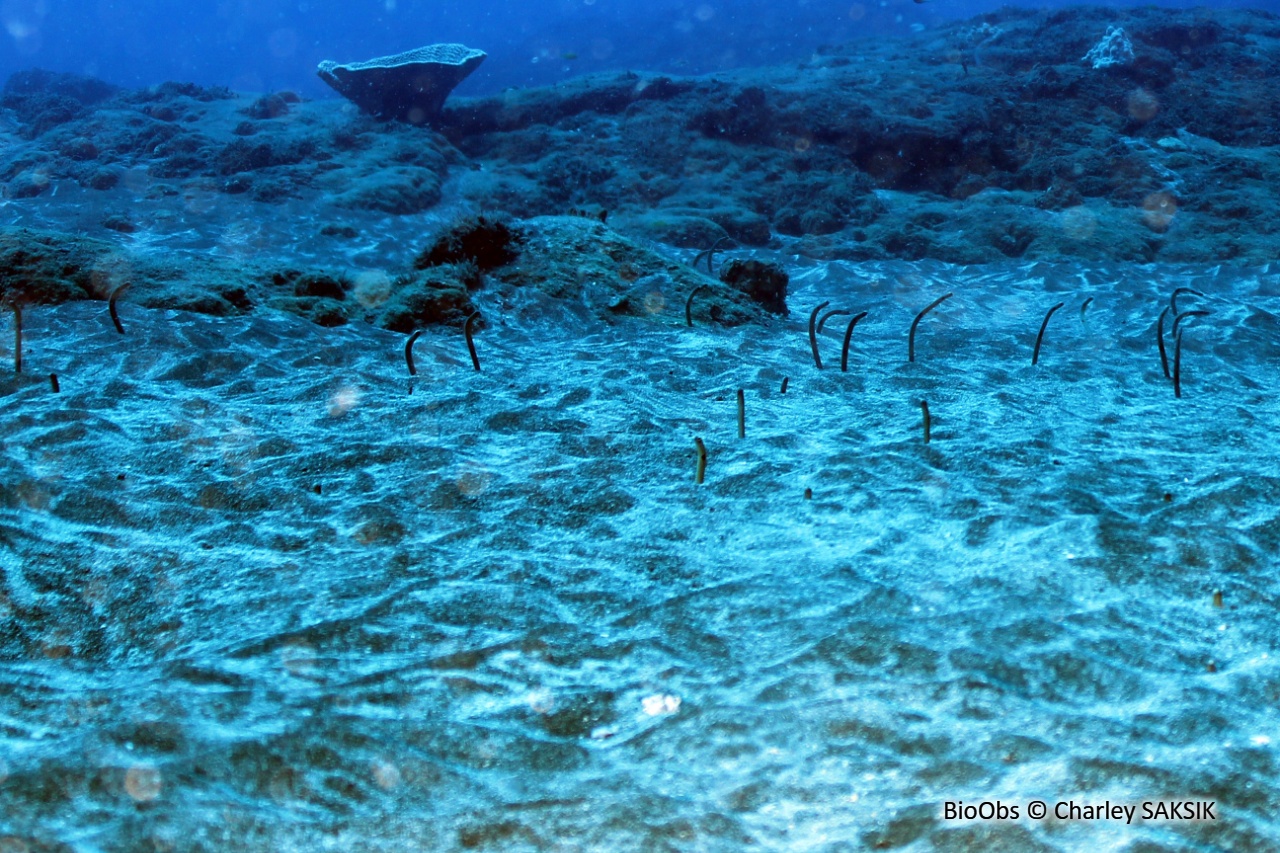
<point>275,44</point>
<point>719,427</point>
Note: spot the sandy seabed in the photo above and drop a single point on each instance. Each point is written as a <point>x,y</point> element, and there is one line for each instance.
<point>258,596</point>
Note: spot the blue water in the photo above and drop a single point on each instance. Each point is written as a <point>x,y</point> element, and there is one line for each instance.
<point>265,45</point>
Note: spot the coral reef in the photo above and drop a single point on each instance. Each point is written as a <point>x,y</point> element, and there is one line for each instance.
<point>979,141</point>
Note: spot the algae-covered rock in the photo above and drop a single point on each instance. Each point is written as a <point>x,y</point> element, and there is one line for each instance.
<point>585,261</point>
<point>436,296</point>
<point>765,284</point>
<point>487,243</point>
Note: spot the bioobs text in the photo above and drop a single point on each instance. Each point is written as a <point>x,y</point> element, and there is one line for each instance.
<point>984,810</point>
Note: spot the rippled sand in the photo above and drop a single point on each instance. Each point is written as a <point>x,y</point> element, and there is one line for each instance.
<point>259,596</point>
